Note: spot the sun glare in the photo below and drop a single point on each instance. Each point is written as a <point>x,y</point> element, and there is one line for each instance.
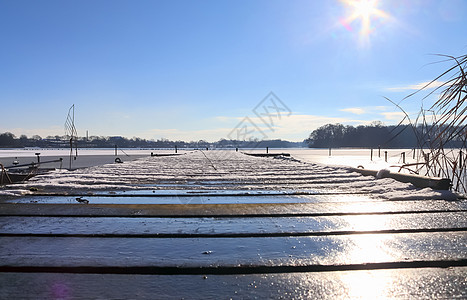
<point>364,11</point>
<point>364,8</point>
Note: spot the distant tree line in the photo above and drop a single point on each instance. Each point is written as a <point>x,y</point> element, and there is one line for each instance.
<point>370,136</point>
<point>9,140</point>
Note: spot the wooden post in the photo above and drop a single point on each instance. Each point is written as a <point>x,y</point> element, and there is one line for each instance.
<point>460,159</point>
<point>329,151</point>
<point>267,149</point>
<point>236,149</point>
<point>379,151</point>
<point>371,154</point>
<point>385,156</point>
<point>176,150</point>
<point>403,157</point>
<point>413,156</point>
<point>115,150</point>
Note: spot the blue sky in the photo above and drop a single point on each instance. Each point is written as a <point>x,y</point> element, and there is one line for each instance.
<point>194,70</point>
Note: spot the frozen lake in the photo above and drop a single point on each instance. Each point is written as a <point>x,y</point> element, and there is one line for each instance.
<point>348,157</point>
<point>338,157</point>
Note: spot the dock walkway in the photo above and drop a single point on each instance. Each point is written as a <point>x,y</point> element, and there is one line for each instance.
<point>221,224</point>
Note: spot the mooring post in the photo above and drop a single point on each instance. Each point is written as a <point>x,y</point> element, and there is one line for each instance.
<point>267,149</point>
<point>403,157</point>
<point>176,150</point>
<point>371,154</point>
<point>460,159</point>
<point>379,150</point>
<point>385,156</point>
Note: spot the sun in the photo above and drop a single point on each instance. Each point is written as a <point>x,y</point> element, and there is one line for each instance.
<point>364,11</point>
<point>364,8</point>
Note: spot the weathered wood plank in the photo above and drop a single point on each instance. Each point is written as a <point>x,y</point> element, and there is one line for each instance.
<point>251,226</point>
<point>417,180</point>
<point>426,283</point>
<point>231,210</point>
<point>364,249</point>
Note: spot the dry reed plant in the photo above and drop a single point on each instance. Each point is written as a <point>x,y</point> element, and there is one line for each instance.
<point>441,130</point>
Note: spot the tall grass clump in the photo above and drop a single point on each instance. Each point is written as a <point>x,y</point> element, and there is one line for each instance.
<point>441,129</point>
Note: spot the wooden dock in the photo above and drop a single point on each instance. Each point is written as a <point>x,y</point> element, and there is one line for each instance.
<point>264,233</point>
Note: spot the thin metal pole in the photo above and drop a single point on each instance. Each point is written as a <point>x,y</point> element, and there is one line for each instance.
<point>71,150</point>
<point>385,156</point>
<point>76,148</point>
<point>371,155</point>
<point>403,157</point>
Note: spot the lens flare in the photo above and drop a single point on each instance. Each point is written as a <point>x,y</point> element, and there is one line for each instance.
<point>364,12</point>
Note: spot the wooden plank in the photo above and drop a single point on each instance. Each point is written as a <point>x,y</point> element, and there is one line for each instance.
<point>279,254</point>
<point>231,210</point>
<point>417,180</point>
<point>165,154</point>
<point>195,199</point>
<point>230,227</point>
<point>267,154</point>
<point>436,283</point>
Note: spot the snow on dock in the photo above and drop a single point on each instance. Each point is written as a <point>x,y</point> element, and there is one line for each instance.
<point>202,171</point>
<point>221,224</point>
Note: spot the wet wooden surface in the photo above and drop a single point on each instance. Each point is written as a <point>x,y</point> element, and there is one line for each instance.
<point>284,246</point>
<point>289,250</point>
